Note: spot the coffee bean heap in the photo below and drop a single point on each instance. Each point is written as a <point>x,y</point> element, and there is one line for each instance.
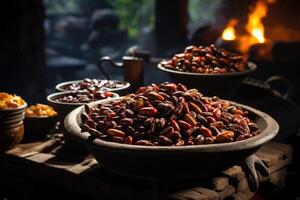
<point>168,115</point>
<point>207,60</point>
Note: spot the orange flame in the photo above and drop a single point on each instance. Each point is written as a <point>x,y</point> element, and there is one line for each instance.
<point>229,32</point>
<point>255,26</point>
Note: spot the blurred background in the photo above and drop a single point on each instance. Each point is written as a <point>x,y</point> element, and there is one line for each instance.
<point>44,42</point>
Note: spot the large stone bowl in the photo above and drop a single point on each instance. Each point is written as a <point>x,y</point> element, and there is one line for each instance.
<point>223,85</point>
<point>163,161</point>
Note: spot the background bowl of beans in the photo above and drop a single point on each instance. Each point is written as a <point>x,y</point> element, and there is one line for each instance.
<point>65,102</point>
<point>212,70</point>
<point>168,130</point>
<point>117,86</point>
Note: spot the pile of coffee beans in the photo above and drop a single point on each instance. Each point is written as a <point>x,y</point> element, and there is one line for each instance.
<point>84,96</point>
<point>168,115</point>
<point>94,84</point>
<point>207,60</point>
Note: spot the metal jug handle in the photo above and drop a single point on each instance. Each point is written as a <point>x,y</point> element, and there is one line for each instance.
<point>250,165</point>
<point>109,60</point>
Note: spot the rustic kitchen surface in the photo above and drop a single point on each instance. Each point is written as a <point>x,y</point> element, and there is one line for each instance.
<point>150,100</point>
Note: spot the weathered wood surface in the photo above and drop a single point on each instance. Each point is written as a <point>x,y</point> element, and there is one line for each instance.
<point>45,162</point>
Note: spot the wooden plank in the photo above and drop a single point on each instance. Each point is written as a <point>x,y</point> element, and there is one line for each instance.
<point>278,178</point>
<point>235,172</point>
<point>220,183</point>
<point>229,190</point>
<point>242,196</point>
<point>285,148</point>
<point>38,160</point>
<point>243,186</point>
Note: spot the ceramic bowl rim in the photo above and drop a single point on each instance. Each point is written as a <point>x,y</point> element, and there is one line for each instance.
<point>252,67</point>
<point>51,96</point>
<point>23,107</point>
<point>59,86</point>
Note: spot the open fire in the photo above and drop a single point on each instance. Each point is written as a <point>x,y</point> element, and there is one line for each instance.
<point>253,31</point>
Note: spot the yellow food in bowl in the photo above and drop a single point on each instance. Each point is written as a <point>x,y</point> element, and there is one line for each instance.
<point>40,110</point>
<point>8,101</point>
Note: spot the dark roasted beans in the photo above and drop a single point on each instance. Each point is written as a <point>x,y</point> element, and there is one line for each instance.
<point>211,60</point>
<point>168,115</point>
<point>84,96</point>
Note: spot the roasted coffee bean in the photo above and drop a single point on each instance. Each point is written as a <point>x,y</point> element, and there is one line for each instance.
<point>190,119</point>
<point>95,132</point>
<point>165,108</point>
<point>214,130</point>
<point>224,136</point>
<point>201,119</point>
<point>184,125</point>
<point>148,111</point>
<point>178,109</point>
<point>155,116</point>
<point>126,122</point>
<point>195,108</point>
<point>205,131</point>
<point>139,103</point>
<point>217,113</point>
<point>185,108</point>
<point>199,139</point>
<point>180,142</point>
<point>168,131</point>
<point>129,113</point>
<point>117,139</point>
<point>164,141</point>
<point>156,96</point>
<point>144,143</point>
<point>208,140</point>
<point>189,142</point>
<point>91,123</point>
<point>87,109</point>
<point>175,125</point>
<point>149,121</point>
<point>192,130</point>
<point>176,135</point>
<point>116,132</point>
<point>161,123</point>
<point>253,127</point>
<point>84,117</point>
<point>211,119</point>
<point>128,140</point>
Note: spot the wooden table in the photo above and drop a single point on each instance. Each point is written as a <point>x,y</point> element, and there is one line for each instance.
<point>41,168</point>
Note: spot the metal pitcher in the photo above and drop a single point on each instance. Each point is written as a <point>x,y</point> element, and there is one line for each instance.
<point>132,70</point>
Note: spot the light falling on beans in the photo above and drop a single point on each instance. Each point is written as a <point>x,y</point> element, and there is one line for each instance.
<point>168,115</point>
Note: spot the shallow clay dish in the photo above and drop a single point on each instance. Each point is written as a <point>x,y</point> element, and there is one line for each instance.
<point>183,161</point>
